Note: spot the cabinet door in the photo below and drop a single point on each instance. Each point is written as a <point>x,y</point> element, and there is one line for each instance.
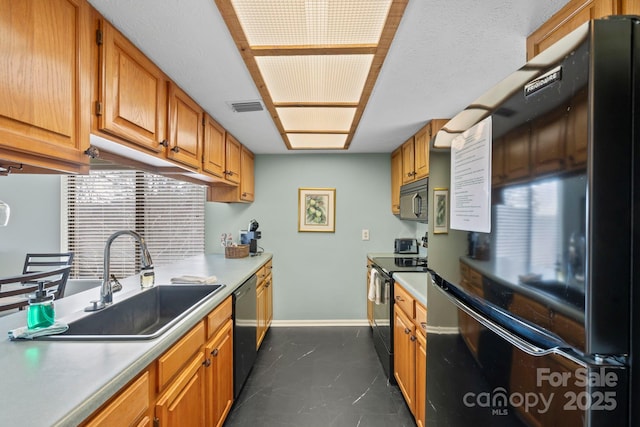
<point>268,303</point>
<point>214,136</point>
<point>548,142</point>
<point>232,159</point>
<point>567,19</point>
<point>421,379</point>
<point>183,404</point>
<point>185,128</point>
<point>421,155</point>
<point>45,83</point>
<point>577,131</point>
<point>408,161</point>
<point>260,313</point>
<point>247,180</point>
<point>132,93</point>
<point>396,180</point>
<point>219,374</point>
<point>129,408</point>
<point>497,162</point>
<point>404,356</point>
<point>516,154</point>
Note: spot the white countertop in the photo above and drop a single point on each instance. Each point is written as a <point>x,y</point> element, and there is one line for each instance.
<point>415,284</point>
<point>54,383</point>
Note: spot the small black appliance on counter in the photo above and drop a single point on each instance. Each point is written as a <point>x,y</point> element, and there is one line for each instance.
<point>405,246</point>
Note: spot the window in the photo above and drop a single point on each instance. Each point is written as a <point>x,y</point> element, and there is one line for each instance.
<point>528,226</point>
<point>168,213</point>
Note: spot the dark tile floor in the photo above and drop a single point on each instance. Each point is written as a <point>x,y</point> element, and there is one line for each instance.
<point>319,377</point>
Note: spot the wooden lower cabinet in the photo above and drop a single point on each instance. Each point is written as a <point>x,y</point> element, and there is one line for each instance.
<point>183,403</point>
<point>404,356</point>
<point>421,379</point>
<point>264,301</point>
<point>219,375</point>
<point>410,351</point>
<point>130,408</point>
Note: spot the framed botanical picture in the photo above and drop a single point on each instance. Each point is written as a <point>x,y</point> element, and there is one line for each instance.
<point>440,210</point>
<point>317,209</point>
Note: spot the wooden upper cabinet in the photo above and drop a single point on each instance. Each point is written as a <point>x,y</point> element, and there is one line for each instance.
<point>247,181</point>
<point>571,16</point>
<point>232,159</point>
<point>516,154</point>
<point>396,180</point>
<point>548,142</point>
<point>408,161</point>
<point>45,83</point>
<point>577,131</point>
<point>132,94</point>
<point>421,152</point>
<point>214,151</point>
<point>185,128</point>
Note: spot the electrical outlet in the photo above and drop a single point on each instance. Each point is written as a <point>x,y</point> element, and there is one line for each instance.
<point>365,234</point>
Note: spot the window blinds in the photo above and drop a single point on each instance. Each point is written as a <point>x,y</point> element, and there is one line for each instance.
<point>168,213</point>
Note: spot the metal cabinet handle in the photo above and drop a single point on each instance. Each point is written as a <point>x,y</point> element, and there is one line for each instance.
<point>413,338</point>
<point>399,298</point>
<point>214,352</point>
<point>164,143</point>
<point>207,363</point>
<point>424,325</point>
<point>176,149</point>
<point>407,330</point>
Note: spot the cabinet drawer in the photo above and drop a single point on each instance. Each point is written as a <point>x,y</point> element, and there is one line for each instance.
<point>218,316</point>
<point>129,407</point>
<point>171,362</point>
<point>404,300</point>
<point>421,318</point>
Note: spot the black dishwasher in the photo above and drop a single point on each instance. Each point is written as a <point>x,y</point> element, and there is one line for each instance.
<point>244,332</point>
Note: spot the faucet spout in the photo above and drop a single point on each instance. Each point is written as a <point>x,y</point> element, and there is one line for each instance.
<point>106,292</point>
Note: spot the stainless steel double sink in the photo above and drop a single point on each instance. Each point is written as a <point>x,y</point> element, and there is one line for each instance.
<point>145,315</point>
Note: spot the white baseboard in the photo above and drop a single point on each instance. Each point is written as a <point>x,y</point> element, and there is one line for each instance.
<point>309,323</point>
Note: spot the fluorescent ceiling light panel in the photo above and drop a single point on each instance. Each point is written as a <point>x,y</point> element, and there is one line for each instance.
<point>318,78</point>
<point>314,62</point>
<point>316,118</point>
<point>316,141</point>
<point>311,22</point>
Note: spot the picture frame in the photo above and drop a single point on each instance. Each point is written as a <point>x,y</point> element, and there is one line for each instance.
<point>440,210</point>
<point>317,210</point>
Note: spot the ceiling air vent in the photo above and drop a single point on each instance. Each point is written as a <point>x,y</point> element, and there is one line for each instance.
<point>246,107</point>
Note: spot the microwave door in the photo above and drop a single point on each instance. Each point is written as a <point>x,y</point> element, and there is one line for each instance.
<point>501,371</point>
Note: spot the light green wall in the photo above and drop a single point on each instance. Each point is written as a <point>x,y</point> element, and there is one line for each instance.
<point>34,225</point>
<point>317,276</point>
<point>444,249</point>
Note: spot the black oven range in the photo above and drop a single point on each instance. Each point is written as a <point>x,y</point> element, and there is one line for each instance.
<point>382,328</point>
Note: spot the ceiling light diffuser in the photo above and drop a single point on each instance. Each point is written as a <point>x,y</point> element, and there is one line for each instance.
<point>314,62</point>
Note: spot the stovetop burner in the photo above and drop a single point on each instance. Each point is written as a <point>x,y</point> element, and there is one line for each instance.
<point>401,264</point>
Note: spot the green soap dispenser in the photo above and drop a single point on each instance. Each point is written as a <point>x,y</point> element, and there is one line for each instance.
<point>40,313</point>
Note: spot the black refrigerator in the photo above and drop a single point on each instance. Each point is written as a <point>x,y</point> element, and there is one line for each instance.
<point>544,191</point>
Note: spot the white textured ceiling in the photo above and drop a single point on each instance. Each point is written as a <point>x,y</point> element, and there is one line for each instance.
<point>445,54</point>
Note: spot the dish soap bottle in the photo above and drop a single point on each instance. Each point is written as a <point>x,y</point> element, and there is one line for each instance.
<point>40,313</point>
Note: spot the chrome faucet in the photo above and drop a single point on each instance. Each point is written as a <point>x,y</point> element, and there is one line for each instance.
<point>106,292</point>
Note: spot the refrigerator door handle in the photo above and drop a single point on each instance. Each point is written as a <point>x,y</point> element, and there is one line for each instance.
<point>513,339</point>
